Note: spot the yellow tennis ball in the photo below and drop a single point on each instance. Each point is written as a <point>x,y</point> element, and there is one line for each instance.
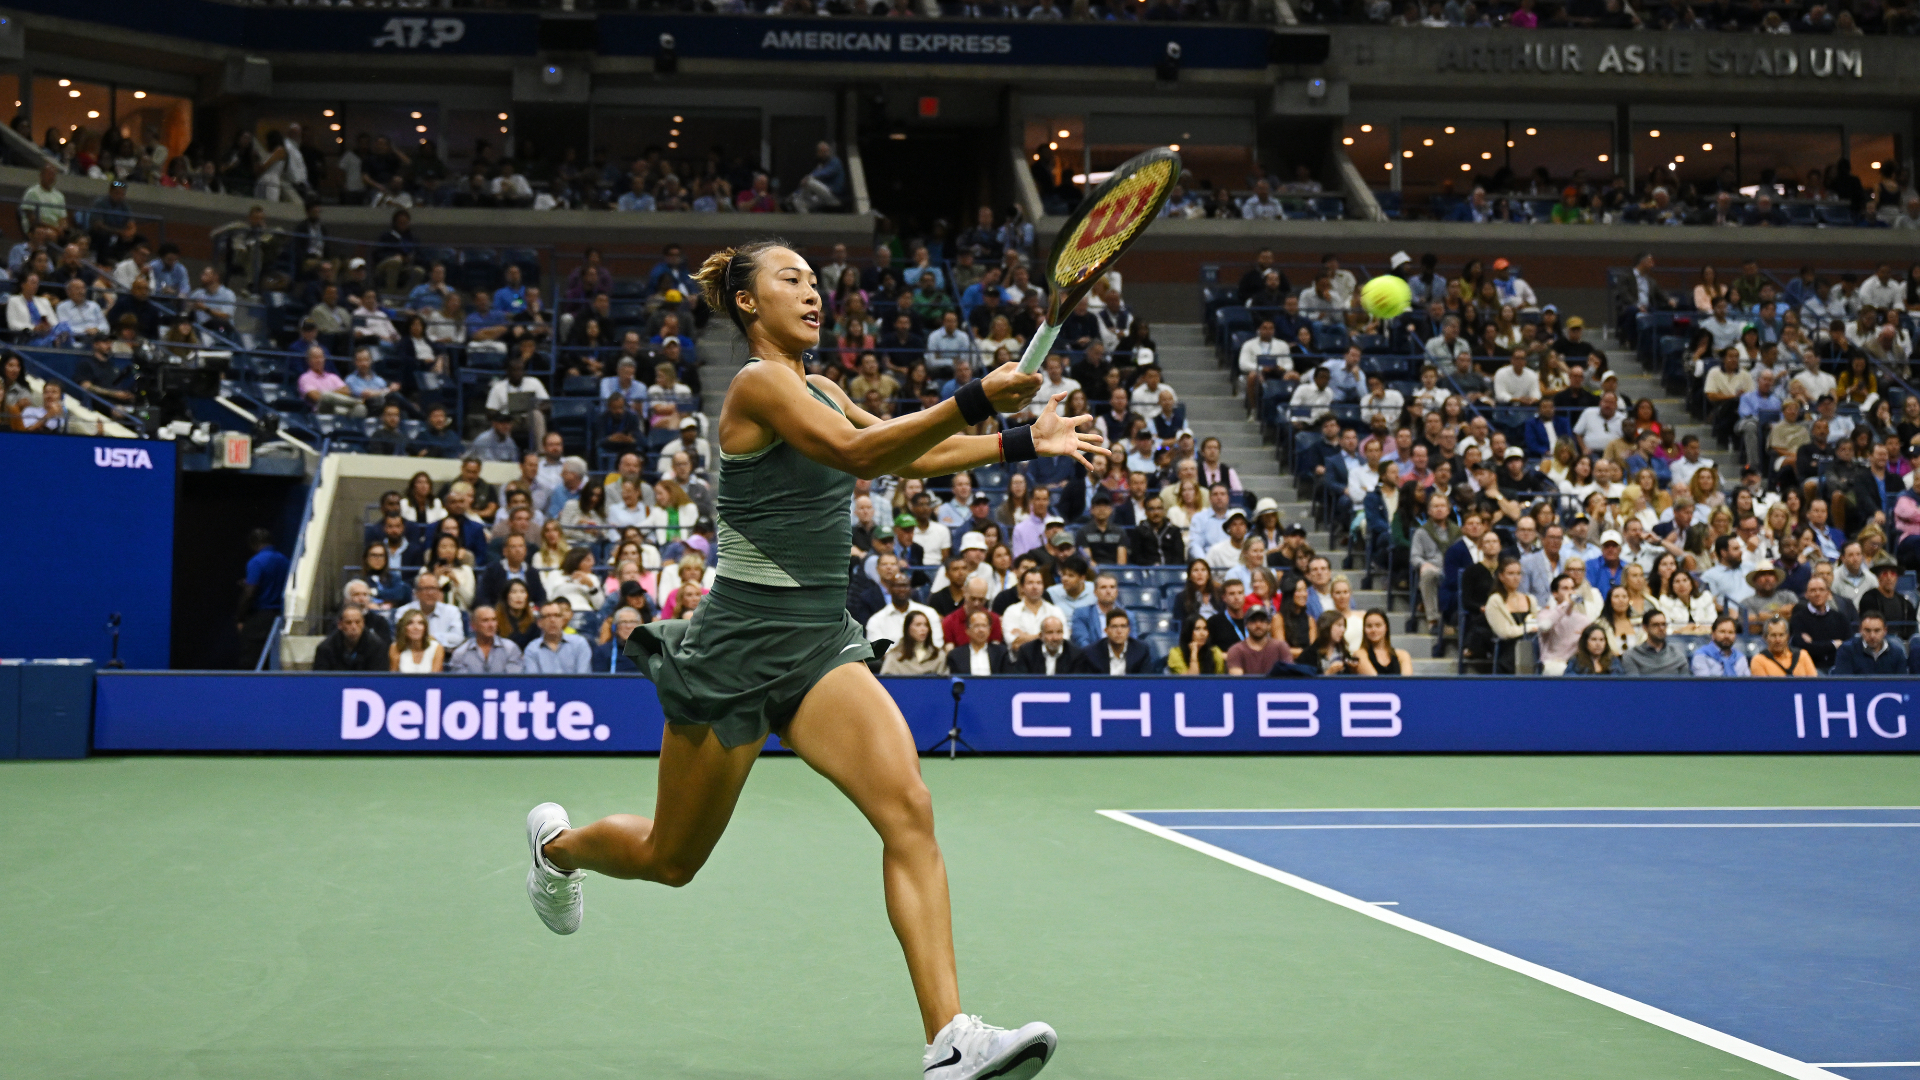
<point>1385,296</point>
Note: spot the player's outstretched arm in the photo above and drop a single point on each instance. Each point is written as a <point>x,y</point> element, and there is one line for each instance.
<point>774,399</point>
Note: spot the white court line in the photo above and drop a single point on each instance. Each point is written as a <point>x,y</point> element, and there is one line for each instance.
<point>1570,825</point>
<point>1868,1065</point>
<point>1639,1010</point>
<point>1495,809</point>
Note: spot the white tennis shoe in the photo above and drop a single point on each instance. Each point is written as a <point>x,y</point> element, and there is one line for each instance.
<point>555,893</point>
<point>967,1049</point>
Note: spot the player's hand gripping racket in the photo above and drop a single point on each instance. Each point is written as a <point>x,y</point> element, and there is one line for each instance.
<point>1097,234</point>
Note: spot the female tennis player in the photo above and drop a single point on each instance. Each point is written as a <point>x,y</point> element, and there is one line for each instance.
<point>772,648</point>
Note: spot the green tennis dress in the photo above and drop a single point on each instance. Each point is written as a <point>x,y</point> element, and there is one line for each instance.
<point>776,619</point>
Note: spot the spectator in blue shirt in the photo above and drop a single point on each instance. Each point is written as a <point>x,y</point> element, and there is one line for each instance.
<point>261,596</point>
<point>1348,382</point>
<point>557,652</point>
<point>825,186</point>
<point>636,200</point>
<point>611,656</point>
<point>1759,409</point>
<point>439,439</point>
<point>169,274</point>
<point>1720,657</point>
<point>511,298</point>
<point>1646,455</point>
<point>671,273</point>
<point>431,294</point>
<point>483,322</point>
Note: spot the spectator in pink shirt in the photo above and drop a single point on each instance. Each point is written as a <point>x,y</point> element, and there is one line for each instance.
<point>324,390</point>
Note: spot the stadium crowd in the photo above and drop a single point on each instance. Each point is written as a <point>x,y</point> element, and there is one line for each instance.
<point>1541,516</point>
<point>290,166</point>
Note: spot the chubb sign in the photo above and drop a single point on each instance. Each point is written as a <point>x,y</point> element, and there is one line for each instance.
<point>491,717</point>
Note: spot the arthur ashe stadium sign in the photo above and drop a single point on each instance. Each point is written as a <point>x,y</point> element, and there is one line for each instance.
<point>1574,58</point>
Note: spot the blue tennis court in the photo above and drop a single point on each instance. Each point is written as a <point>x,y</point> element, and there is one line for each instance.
<point>1794,930</point>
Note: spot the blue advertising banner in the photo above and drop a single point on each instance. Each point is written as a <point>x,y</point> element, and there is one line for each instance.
<point>917,41</point>
<point>94,516</point>
<point>576,714</point>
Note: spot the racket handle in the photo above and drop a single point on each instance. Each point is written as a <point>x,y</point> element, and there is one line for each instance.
<point>1036,353</point>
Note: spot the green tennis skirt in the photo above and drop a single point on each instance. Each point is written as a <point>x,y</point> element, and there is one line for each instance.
<point>748,656</point>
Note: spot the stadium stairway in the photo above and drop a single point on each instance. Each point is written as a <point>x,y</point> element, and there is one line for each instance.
<point>1214,409</point>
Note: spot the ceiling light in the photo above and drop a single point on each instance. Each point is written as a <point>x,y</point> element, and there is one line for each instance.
<point>1449,131</point>
<point>1406,153</point>
<point>1036,157</point>
<point>1679,157</point>
<point>673,146</point>
<point>1064,133</point>
<point>93,114</point>
<point>503,116</point>
<point>1706,146</point>
<point>898,136</point>
<point>674,132</point>
<point>1464,167</point>
<point>416,116</point>
<point>678,119</point>
<point>66,82</point>
<point>1533,131</point>
<point>333,127</point>
<point>1733,134</point>
<point>73,93</point>
<point>1389,166</point>
<point>1655,133</point>
<point>1509,144</point>
<point>1485,156</point>
<point>1873,164</point>
<point>1426,142</point>
<point>1603,157</point>
<point>421,128</point>
<point>1670,166</point>
<point>1175,147</point>
<point>503,131</point>
<point>136,93</point>
<point>1366,127</point>
<point>326,112</point>
<point>1053,146</point>
<point>1348,141</point>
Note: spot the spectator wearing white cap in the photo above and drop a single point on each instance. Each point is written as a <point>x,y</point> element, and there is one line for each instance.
<point>1605,571</point>
<point>1224,554</point>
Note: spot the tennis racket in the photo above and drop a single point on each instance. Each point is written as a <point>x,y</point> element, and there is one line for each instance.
<point>1106,223</point>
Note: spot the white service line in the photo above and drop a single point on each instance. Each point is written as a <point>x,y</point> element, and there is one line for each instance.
<point>1568,825</point>
<point>1639,1010</point>
<point>1490,809</point>
<point>1868,1065</point>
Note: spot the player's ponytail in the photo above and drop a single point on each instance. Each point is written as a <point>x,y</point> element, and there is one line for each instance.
<point>729,272</point>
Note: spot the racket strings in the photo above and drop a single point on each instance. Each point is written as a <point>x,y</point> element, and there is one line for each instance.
<point>1119,215</point>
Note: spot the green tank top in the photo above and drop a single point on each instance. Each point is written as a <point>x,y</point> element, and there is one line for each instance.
<point>783,520</point>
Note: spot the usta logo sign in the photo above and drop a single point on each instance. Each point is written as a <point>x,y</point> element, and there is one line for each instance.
<point>413,33</point>
<point>113,457</point>
<point>365,713</point>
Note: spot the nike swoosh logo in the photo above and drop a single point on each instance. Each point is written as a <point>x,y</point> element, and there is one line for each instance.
<point>857,645</point>
<point>955,1059</point>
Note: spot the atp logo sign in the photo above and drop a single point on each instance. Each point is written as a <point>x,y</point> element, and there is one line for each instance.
<point>413,33</point>
<point>113,457</point>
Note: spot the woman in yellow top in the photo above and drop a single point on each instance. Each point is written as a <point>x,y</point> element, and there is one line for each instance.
<point>1857,383</point>
<point>1194,655</point>
<point>1780,658</point>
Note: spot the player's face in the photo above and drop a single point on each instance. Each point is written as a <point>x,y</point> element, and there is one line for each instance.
<point>786,300</point>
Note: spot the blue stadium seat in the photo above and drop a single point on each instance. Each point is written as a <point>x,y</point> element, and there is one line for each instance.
<point>1835,215</point>
<point>1141,596</point>
<point>1154,622</point>
<point>990,478</point>
<point>1166,575</point>
<point>1126,575</point>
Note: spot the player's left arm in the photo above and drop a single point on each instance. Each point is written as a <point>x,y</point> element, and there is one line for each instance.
<point>1053,435</point>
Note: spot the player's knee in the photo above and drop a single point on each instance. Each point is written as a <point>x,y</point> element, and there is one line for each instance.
<point>909,811</point>
<point>676,874</point>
